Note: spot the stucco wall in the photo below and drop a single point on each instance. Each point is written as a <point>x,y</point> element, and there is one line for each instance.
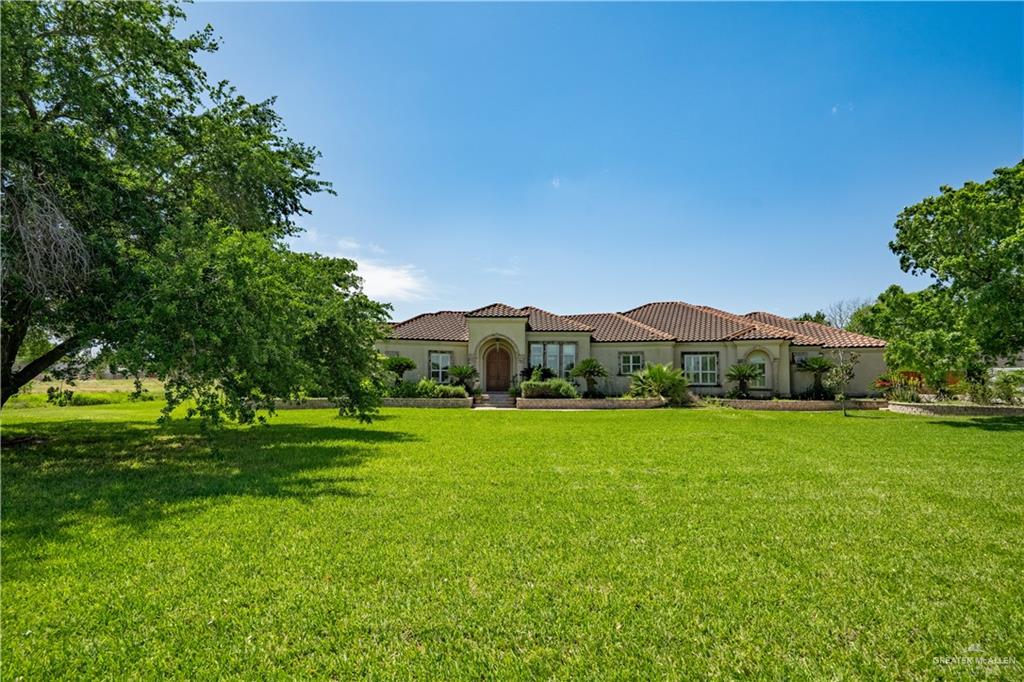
<point>870,365</point>
<point>608,355</point>
<point>418,352</point>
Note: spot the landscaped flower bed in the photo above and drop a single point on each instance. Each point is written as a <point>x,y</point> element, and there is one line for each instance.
<point>802,405</point>
<point>589,403</point>
<point>956,410</point>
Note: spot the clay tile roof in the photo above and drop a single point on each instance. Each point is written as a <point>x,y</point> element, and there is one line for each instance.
<point>685,322</point>
<point>543,321</point>
<point>610,327</point>
<point>814,334</point>
<point>498,310</point>
<point>446,325</point>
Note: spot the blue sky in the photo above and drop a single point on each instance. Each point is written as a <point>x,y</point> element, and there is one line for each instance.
<point>595,157</point>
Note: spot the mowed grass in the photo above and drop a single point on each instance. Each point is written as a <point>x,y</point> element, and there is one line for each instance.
<point>454,544</point>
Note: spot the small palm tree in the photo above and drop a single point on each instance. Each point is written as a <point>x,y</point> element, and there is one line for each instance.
<point>590,370</point>
<point>743,373</point>
<point>463,375</point>
<point>664,381</point>
<point>819,366</point>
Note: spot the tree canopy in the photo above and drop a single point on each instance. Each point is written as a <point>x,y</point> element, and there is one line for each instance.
<point>971,242</point>
<point>145,212</point>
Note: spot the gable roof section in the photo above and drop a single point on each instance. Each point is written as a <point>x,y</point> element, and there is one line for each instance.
<point>610,327</point>
<point>537,320</point>
<point>446,325</point>
<point>818,334</point>
<point>498,310</point>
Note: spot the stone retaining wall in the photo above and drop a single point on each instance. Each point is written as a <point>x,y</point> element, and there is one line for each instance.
<point>320,403</point>
<point>943,410</point>
<point>587,404</point>
<point>428,402</point>
<point>802,405</point>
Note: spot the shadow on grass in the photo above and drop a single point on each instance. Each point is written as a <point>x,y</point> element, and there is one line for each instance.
<point>984,423</point>
<point>60,474</point>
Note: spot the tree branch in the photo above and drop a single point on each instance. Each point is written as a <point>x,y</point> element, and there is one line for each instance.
<point>29,371</point>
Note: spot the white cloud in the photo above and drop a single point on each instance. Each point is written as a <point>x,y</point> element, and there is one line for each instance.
<point>556,182</point>
<point>375,248</point>
<point>346,244</point>
<point>392,283</point>
<point>835,109</point>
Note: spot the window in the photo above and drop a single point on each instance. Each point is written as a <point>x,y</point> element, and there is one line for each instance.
<point>630,362</point>
<point>701,369</point>
<point>560,358</point>
<point>759,360</point>
<point>440,362</point>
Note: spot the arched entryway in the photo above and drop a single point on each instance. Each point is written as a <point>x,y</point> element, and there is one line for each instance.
<point>498,369</point>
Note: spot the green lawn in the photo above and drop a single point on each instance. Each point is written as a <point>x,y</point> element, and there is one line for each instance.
<point>456,544</point>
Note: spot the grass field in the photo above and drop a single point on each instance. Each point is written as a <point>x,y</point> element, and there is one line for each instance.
<point>455,544</point>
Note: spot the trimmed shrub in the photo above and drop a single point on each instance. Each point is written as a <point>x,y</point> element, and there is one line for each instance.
<point>537,374</point>
<point>443,391</point>
<point>552,388</point>
<point>399,366</point>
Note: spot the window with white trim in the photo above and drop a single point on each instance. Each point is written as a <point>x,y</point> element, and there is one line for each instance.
<point>630,363</point>
<point>440,363</point>
<point>759,360</point>
<point>701,369</point>
<point>557,356</point>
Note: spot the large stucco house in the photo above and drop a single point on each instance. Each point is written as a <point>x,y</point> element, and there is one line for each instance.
<point>500,341</point>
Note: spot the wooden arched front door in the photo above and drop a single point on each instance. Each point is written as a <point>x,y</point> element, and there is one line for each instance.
<point>499,369</point>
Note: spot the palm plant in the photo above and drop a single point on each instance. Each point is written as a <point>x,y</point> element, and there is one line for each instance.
<point>743,373</point>
<point>663,381</point>
<point>590,370</point>
<point>818,366</point>
<point>463,375</point>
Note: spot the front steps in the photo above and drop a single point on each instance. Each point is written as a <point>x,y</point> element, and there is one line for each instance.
<point>495,399</point>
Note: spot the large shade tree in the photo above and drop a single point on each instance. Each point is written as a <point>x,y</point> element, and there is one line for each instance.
<point>971,242</point>
<point>145,212</point>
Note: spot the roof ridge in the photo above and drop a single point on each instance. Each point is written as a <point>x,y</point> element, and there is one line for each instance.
<point>646,326</point>
<point>757,324</point>
<point>435,312</point>
<point>586,327</point>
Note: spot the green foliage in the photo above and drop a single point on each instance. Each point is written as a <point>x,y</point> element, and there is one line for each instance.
<point>538,373</point>
<point>901,387</point>
<point>743,373</point>
<point>657,380</point>
<point>1008,386</point>
<point>818,366</point>
<point>590,370</point>
<point>463,375</point>
<point>399,366</point>
<point>971,241</point>
<point>838,378</point>
<point>550,388</point>
<point>424,388</point>
<point>817,316</point>
<point>145,213</point>
<point>926,332</point>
